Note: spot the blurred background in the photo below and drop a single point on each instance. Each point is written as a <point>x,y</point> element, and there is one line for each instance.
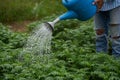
<point>22,12</point>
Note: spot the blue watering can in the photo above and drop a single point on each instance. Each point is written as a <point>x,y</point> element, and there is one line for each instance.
<point>77,9</point>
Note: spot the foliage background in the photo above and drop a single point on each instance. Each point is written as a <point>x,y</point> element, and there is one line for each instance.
<point>17,10</point>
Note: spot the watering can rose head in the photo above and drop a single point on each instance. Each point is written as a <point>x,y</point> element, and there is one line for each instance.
<point>79,9</point>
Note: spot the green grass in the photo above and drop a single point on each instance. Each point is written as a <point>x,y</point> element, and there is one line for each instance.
<point>18,10</point>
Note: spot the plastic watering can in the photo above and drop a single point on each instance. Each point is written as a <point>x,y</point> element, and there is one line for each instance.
<point>77,9</point>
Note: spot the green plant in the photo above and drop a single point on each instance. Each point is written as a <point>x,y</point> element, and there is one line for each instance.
<point>73,56</point>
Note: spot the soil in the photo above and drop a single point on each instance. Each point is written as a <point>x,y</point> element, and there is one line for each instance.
<point>19,26</point>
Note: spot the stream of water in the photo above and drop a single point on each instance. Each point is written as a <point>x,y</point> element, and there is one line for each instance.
<point>39,42</point>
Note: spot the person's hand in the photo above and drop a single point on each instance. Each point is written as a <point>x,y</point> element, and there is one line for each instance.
<point>99,3</point>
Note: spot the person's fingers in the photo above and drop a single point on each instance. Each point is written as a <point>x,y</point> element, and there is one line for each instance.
<point>99,3</point>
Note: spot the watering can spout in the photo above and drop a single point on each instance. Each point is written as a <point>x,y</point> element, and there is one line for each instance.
<point>68,15</point>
